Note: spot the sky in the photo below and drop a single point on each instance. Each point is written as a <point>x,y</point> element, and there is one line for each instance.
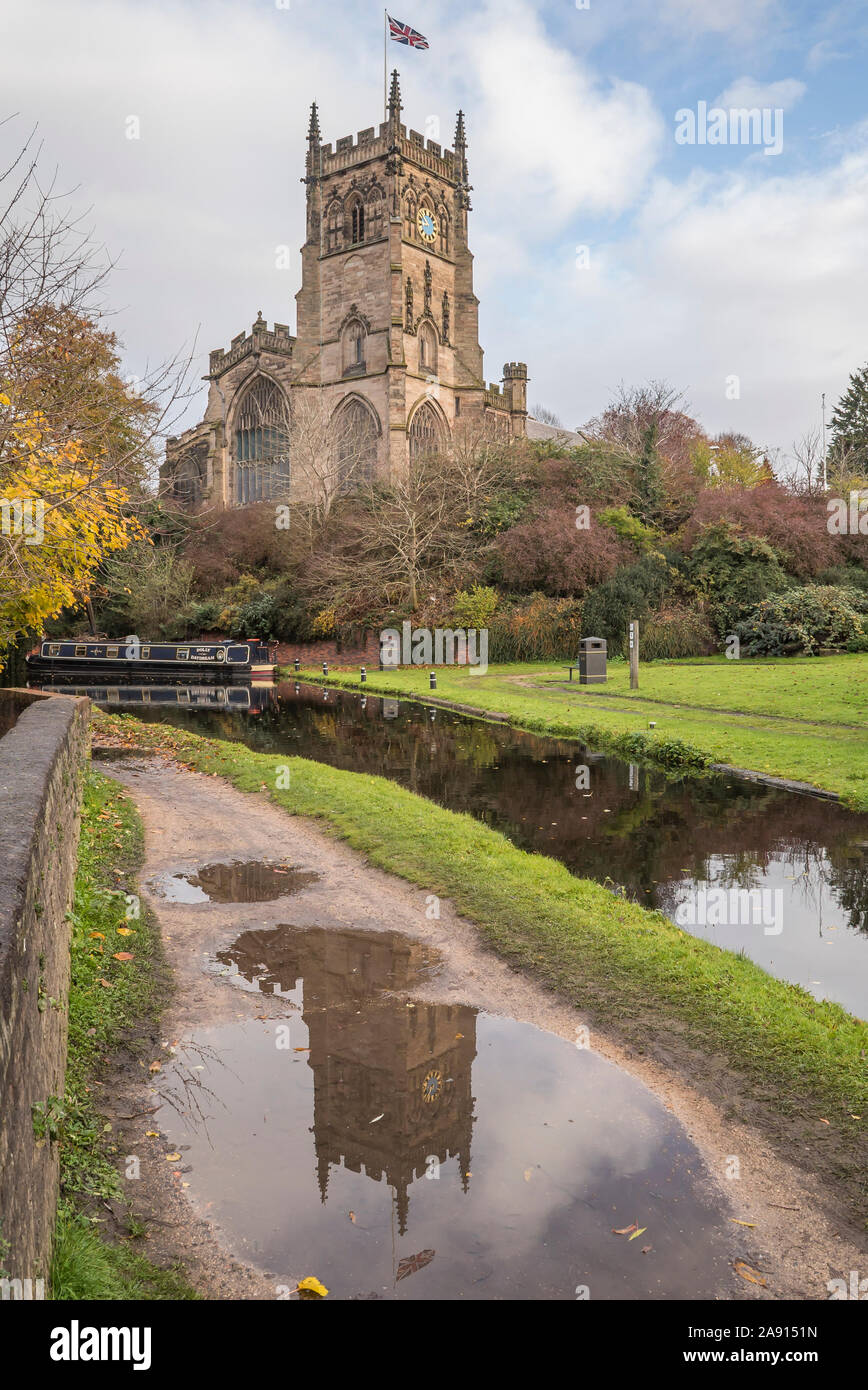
<point>609,247</point>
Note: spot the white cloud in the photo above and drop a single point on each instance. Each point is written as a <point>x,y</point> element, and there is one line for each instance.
<point>719,16</point>
<point>747,91</point>
<point>742,274</point>
<point>551,135</point>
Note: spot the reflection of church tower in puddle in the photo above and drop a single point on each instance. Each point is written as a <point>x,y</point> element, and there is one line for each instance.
<point>408,1063</point>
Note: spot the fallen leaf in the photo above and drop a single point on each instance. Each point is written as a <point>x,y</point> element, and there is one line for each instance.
<point>122,955</point>
<point>312,1286</point>
<point>155,1066</point>
<point>646,1249</point>
<point>97,936</point>
<point>753,1276</point>
<point>125,931</point>
<point>106,984</point>
<point>640,1231</point>
<point>172,1158</point>
<point>527,1174</point>
<point>736,1222</point>
<point>624,1231</point>
<point>376,1118</point>
<point>152,1134</point>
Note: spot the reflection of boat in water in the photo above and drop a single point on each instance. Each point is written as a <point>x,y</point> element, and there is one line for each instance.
<point>142,660</point>
<point>250,698</point>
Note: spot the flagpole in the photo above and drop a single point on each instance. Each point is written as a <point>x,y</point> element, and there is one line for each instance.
<point>385,65</point>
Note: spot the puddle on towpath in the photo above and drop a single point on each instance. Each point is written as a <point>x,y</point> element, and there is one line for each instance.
<point>400,1148</point>
<point>240,881</point>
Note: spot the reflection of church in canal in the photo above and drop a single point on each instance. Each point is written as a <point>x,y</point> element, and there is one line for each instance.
<point>392,1077</point>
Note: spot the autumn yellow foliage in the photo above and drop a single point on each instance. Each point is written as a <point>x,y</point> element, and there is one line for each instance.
<point>60,515</point>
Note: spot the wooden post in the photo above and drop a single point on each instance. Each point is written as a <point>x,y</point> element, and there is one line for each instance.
<point>634,655</point>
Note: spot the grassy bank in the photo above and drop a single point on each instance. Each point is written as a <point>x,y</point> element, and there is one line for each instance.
<point>804,720</point>
<point>767,1050</point>
<point>110,1002</point>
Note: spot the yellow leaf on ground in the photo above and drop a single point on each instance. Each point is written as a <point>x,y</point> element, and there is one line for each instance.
<point>311,1285</point>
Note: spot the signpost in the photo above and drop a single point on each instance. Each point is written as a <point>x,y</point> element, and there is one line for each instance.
<point>634,655</point>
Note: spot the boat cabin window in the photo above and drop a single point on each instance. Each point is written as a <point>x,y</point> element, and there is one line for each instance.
<point>111,653</point>
<point>146,652</point>
<point>183,653</point>
<point>81,651</point>
<point>54,649</point>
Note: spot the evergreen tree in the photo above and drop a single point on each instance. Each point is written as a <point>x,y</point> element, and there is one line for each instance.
<point>650,497</point>
<point>850,421</point>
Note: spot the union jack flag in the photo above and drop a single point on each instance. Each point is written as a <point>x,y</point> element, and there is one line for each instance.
<point>402,33</point>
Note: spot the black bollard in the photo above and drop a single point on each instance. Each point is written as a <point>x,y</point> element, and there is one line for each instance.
<point>364,675</point>
<point>325,668</point>
<point>297,664</point>
<point>432,680</point>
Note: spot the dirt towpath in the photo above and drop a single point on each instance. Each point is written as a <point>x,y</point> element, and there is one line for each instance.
<point>193,820</point>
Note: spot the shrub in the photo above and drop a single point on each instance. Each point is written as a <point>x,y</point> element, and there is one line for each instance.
<point>795,527</point>
<point>803,621</point>
<point>550,554</point>
<point>538,629</point>
<point>474,607</point>
<point>628,596</point>
<point>629,528</point>
<point>734,572</point>
<point>675,632</point>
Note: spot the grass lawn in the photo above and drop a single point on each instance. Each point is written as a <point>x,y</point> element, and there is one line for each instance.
<point>806,719</point>
<point>766,1050</point>
<point>108,1002</point>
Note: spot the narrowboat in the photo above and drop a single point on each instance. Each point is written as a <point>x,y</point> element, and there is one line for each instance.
<point>143,660</point>
<point>249,698</point>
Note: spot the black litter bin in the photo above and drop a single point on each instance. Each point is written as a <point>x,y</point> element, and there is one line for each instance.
<point>592,661</point>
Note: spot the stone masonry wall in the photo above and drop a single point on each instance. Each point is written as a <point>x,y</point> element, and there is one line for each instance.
<point>42,760</point>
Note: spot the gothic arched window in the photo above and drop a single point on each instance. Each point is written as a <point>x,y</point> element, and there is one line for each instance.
<point>353,348</point>
<point>442,230</point>
<point>410,217</point>
<point>334,225</point>
<point>356,221</point>
<point>261,444</point>
<point>355,435</point>
<point>426,435</point>
<point>374,214</point>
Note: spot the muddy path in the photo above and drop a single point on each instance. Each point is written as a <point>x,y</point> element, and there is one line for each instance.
<point>337,1039</point>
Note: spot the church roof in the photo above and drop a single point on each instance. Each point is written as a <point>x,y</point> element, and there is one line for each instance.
<point>537,430</point>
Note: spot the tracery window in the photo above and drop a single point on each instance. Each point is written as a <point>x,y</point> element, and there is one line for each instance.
<point>262,444</point>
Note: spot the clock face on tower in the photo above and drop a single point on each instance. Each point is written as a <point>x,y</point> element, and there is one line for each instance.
<point>427,224</point>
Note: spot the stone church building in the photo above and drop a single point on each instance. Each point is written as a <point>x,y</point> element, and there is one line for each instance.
<point>386,354</point>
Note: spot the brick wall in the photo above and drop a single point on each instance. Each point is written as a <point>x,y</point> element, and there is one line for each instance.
<point>42,760</point>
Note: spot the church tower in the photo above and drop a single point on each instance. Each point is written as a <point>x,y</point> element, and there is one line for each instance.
<point>387,339</point>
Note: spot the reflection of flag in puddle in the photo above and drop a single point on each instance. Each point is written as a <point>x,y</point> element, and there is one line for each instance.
<point>414,1262</point>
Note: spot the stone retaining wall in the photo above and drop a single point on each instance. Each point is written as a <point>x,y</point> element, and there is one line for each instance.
<point>42,760</point>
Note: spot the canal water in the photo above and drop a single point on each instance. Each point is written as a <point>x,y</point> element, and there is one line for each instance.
<point>778,875</point>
